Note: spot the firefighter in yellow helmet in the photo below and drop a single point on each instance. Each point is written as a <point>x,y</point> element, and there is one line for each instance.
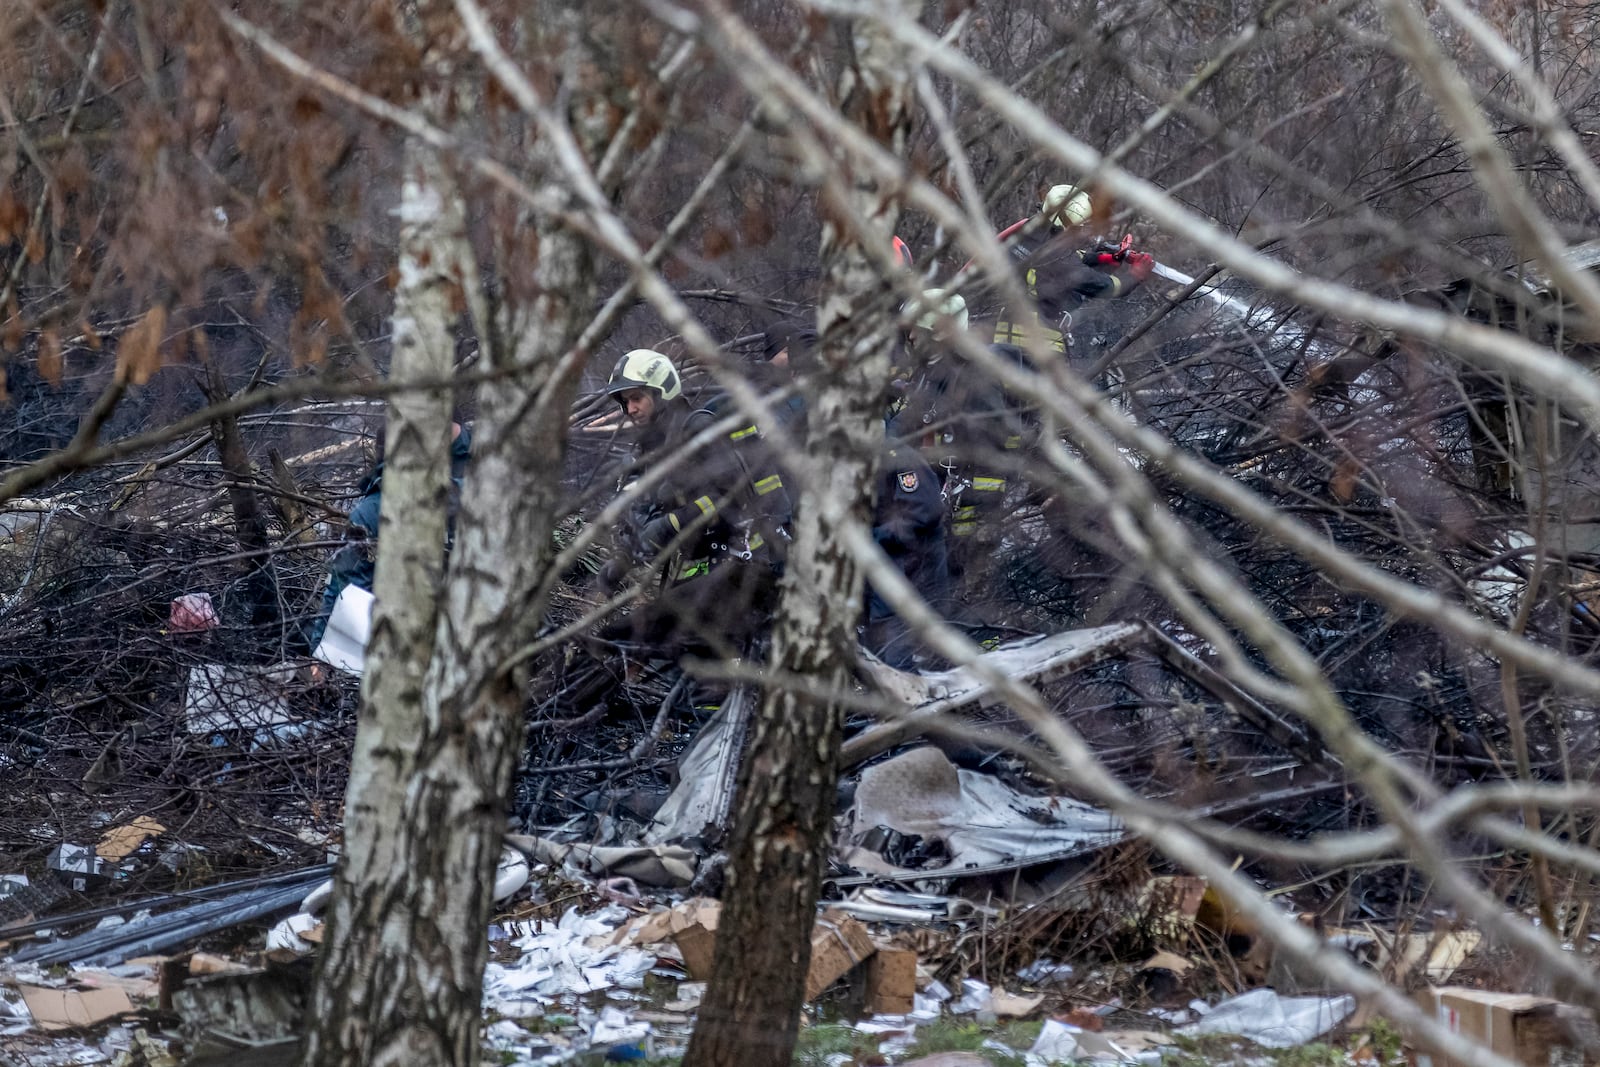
<point>1061,276</point>
<point>717,529</point>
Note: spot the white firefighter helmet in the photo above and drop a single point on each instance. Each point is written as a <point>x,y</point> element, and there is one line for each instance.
<point>938,304</point>
<point>645,368</point>
<point>1067,205</point>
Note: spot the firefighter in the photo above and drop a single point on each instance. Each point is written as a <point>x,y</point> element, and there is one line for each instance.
<point>908,519</point>
<point>722,520</point>
<point>355,562</point>
<point>1060,276</point>
<point>960,418</point>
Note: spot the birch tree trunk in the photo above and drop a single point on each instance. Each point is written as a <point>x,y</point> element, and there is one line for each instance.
<point>402,977</point>
<point>787,783</point>
<point>376,998</point>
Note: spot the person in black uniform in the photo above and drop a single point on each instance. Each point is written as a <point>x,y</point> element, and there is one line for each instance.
<point>961,419</point>
<point>908,523</point>
<point>909,519</point>
<point>715,514</point>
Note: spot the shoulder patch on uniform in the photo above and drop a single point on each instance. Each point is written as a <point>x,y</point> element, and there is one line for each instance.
<point>908,481</point>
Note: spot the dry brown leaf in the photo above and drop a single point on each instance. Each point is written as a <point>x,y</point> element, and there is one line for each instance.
<point>50,357</point>
<point>139,353</point>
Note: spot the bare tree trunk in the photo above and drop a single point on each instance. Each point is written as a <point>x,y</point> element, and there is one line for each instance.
<point>373,996</point>
<point>402,974</point>
<point>250,521</point>
<point>787,783</point>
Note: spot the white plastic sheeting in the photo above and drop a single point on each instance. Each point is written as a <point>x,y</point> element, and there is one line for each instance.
<point>1268,1019</point>
<point>344,641</point>
<point>981,821</point>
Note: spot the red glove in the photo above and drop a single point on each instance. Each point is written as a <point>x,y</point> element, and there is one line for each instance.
<point>1140,264</point>
<point>1100,259</point>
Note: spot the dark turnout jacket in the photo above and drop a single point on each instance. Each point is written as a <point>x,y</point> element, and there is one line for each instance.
<point>729,482</point>
<point>909,525</point>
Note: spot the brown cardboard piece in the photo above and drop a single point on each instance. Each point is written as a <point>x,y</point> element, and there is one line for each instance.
<point>119,842</point>
<point>1008,1005</point>
<point>658,926</point>
<point>838,943</point>
<point>892,981</point>
<point>1522,1028</point>
<point>67,1009</point>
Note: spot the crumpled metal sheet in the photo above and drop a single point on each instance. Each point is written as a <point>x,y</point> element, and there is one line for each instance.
<point>707,774</point>
<point>976,820</point>
<point>657,865</point>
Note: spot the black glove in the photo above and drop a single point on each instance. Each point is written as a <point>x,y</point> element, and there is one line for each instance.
<point>658,532</point>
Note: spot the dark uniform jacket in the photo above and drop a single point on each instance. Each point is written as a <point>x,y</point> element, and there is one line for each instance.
<point>729,484</point>
<point>909,525</point>
<point>1060,282</point>
<point>965,425</point>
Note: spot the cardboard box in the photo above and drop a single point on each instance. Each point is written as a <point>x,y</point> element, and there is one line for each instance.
<point>657,926</point>
<point>892,981</point>
<point>1535,1031</point>
<point>838,943</point>
<point>692,926</point>
<point>121,842</point>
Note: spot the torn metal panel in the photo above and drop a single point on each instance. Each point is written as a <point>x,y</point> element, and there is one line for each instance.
<point>707,774</point>
<point>927,695</point>
<point>162,900</point>
<point>249,1010</point>
<point>156,933</point>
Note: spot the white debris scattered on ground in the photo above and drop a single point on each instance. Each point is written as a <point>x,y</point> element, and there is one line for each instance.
<point>288,936</point>
<point>1045,972</point>
<point>14,1015</point>
<point>975,998</point>
<point>1274,1021</point>
<point>560,961</point>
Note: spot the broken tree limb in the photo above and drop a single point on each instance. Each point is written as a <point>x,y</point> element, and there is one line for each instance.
<point>1290,737</point>
<point>930,695</point>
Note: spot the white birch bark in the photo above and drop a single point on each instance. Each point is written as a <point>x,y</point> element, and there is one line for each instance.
<point>787,784</point>
<point>368,979</point>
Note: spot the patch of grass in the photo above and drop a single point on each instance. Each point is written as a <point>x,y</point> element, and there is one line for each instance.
<point>1209,1050</point>
<point>818,1044</point>
<point>1313,1055</point>
<point>950,1035</point>
<point>1388,1047</point>
<point>1204,1050</point>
